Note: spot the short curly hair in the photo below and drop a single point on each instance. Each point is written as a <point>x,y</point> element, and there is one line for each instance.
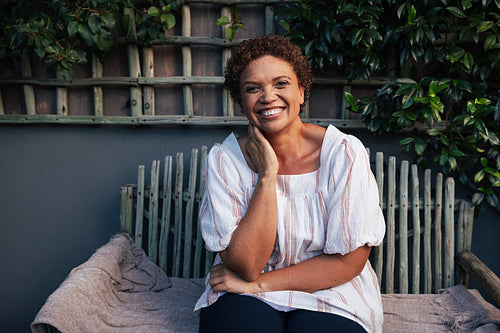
<point>275,45</point>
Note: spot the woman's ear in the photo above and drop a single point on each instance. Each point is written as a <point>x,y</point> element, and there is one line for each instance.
<point>301,95</point>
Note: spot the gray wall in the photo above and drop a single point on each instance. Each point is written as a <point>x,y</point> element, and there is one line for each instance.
<point>59,200</point>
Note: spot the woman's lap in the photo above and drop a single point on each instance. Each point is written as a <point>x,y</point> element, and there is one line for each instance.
<point>238,313</point>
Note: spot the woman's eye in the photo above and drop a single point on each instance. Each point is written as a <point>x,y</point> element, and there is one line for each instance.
<point>282,84</point>
<point>251,89</point>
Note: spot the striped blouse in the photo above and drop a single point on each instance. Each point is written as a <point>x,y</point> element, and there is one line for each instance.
<point>331,210</point>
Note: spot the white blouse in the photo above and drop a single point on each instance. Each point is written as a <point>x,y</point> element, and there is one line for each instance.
<point>331,210</point>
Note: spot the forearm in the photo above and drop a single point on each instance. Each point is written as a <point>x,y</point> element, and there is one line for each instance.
<point>253,240</point>
<point>320,272</point>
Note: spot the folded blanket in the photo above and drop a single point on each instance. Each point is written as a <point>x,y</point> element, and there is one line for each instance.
<point>120,290</point>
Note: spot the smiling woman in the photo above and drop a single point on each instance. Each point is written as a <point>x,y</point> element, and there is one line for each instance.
<point>290,208</point>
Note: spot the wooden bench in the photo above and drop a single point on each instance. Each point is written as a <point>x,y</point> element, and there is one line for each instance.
<point>428,229</point>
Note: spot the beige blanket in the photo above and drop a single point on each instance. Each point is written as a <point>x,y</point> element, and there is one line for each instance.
<point>119,290</point>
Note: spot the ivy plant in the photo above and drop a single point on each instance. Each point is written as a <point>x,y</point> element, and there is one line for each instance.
<point>63,33</point>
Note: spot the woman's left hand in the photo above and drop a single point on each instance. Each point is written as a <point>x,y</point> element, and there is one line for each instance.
<point>223,278</point>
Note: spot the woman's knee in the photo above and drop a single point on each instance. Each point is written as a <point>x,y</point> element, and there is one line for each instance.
<point>300,321</point>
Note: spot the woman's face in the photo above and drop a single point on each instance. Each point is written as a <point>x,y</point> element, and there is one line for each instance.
<point>270,93</point>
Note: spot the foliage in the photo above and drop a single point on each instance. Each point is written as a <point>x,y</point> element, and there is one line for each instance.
<point>445,59</point>
<point>232,24</point>
<point>62,33</point>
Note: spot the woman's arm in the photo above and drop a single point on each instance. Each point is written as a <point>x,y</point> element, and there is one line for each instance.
<point>321,272</point>
<point>253,240</point>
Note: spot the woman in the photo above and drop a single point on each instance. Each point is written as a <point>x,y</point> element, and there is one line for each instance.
<point>291,209</point>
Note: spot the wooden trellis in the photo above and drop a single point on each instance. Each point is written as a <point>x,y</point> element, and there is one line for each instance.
<point>142,81</point>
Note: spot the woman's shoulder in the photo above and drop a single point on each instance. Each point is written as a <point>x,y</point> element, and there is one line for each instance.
<point>336,142</point>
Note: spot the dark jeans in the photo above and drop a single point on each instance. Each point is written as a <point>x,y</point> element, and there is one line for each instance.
<point>239,314</point>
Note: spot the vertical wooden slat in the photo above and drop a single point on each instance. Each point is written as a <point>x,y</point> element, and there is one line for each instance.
<point>134,68</point>
<point>269,16</point>
<point>29,93</point>
<point>379,250</point>
<point>148,91</point>
<point>438,243</point>
<point>199,196</point>
<point>470,227</point>
<point>461,229</point>
<point>390,234</point>
<point>186,61</point>
<point>427,232</point>
<point>153,212</point>
<point>2,109</point>
<point>165,212</point>
<point>227,103</point>
<point>62,99</point>
<point>126,209</point>
<point>416,229</point>
<point>139,212</point>
<point>344,113</point>
<point>403,228</point>
<point>188,224</point>
<point>179,178</point>
<point>98,97</point>
<point>449,228</point>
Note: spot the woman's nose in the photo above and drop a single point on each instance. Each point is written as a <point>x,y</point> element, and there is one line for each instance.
<point>268,95</point>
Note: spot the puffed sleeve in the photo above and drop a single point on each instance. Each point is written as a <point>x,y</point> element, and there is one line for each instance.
<point>223,203</point>
<point>355,218</point>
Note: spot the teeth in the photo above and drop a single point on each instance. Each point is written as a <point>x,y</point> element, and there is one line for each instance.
<point>270,112</point>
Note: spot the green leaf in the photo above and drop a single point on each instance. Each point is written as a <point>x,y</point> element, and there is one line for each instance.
<point>479,176</point>
<point>169,19</point>
<point>483,26</point>
<point>72,28</point>
<point>456,11</point>
<point>84,33</point>
<point>153,11</point>
<point>406,141</point>
<point>433,131</point>
<point>222,21</point>
<point>477,198</point>
<point>412,15</point>
<point>127,24</point>
<point>94,24</point>
<point>490,42</point>
<point>349,98</point>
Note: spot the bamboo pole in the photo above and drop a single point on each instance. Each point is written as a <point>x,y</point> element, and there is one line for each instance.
<point>438,245</point>
<point>179,178</point>
<point>98,96</point>
<point>390,235</point>
<point>403,228</point>
<point>269,21</point>
<point>62,99</point>
<point>416,230</point>
<point>379,250</point>
<point>188,224</point>
<point>166,208</point>
<point>427,232</point>
<point>187,61</point>
<point>153,212</point>
<point>139,216</point>
<point>449,234</point>
<point>148,91</point>
<point>134,68</point>
<point>29,93</point>
<point>199,195</point>
<point>126,209</point>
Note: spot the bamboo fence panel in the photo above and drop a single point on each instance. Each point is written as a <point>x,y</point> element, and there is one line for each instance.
<point>62,100</point>
<point>187,61</point>
<point>403,228</point>
<point>126,209</point>
<point>227,102</point>
<point>134,68</point>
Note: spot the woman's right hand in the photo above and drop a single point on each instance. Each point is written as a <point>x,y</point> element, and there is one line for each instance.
<point>261,152</point>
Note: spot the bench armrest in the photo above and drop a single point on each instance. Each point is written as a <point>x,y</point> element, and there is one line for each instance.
<point>481,273</point>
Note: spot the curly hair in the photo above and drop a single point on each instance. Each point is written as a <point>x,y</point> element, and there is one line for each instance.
<point>275,45</point>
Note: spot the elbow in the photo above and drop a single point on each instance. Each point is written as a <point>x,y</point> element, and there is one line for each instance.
<point>247,270</point>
